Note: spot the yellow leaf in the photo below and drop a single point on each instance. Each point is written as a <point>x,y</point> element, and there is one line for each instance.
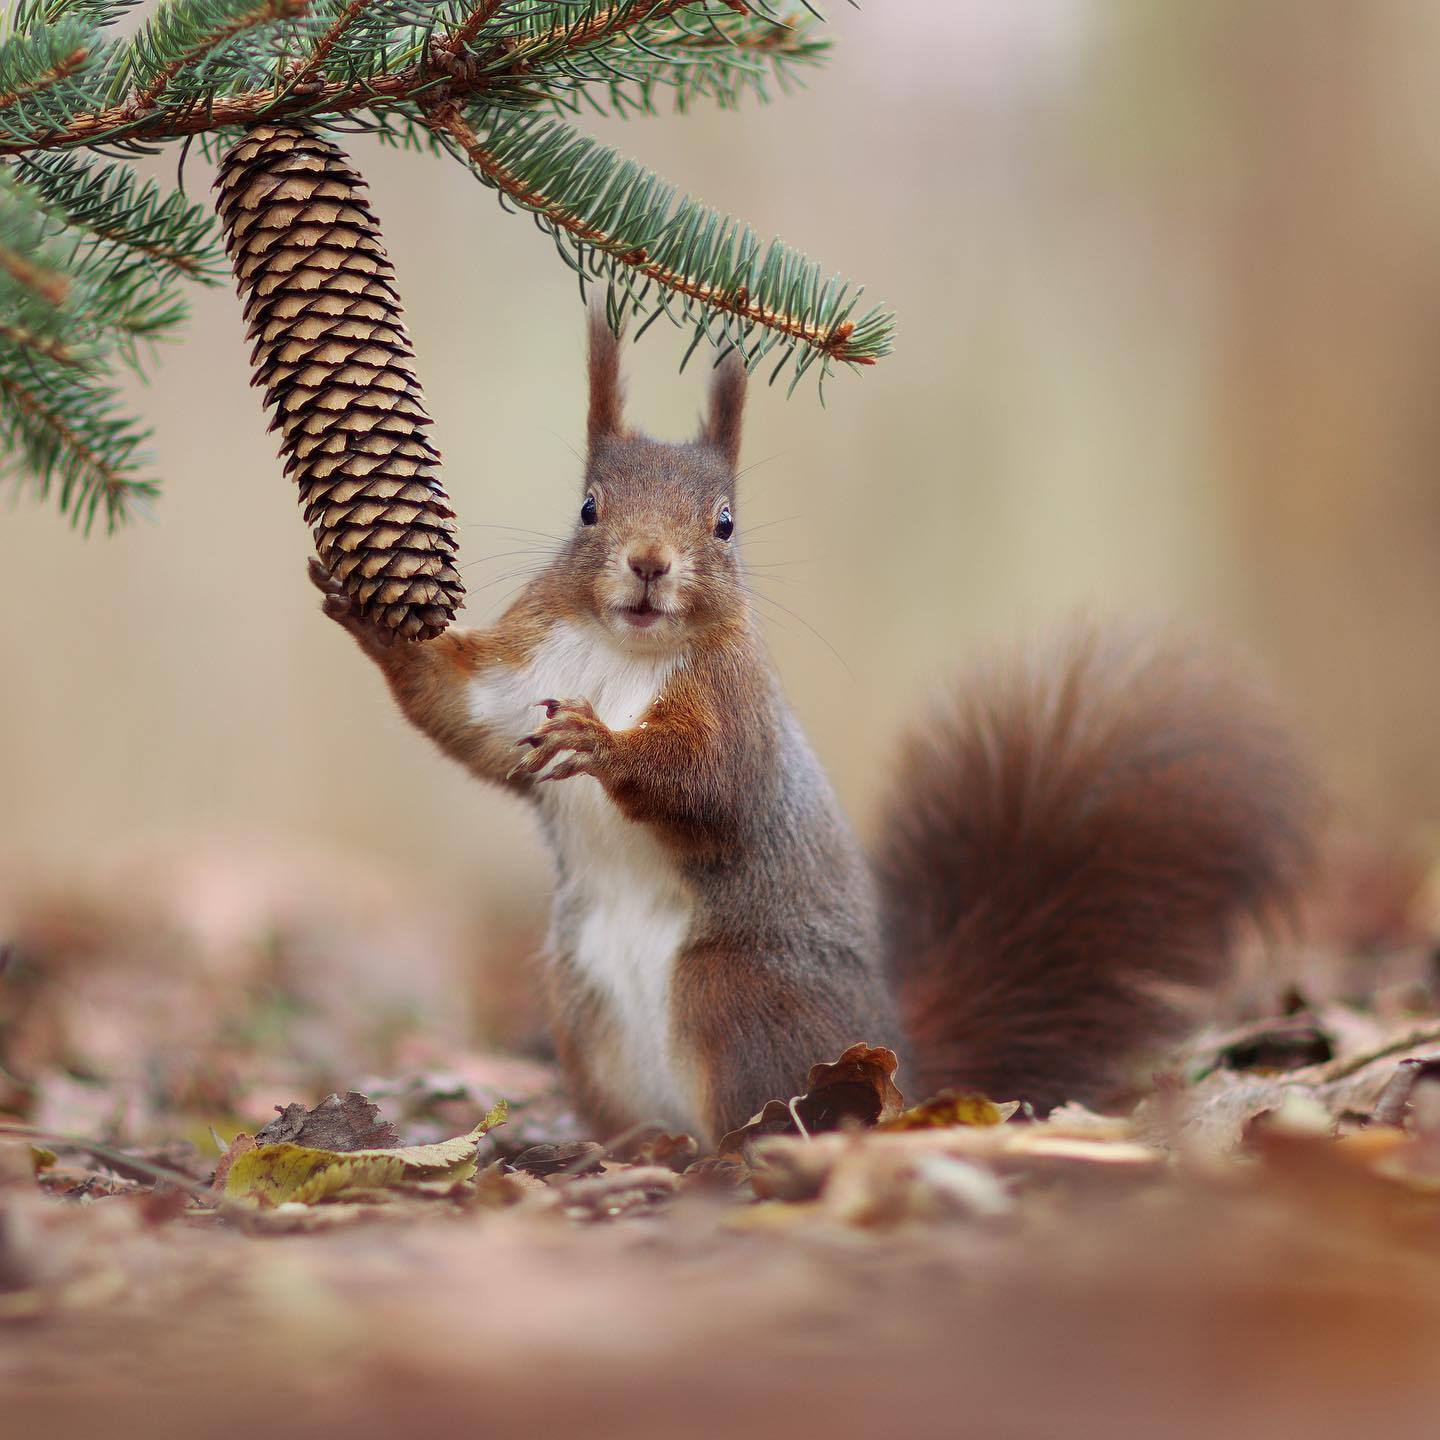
<point>948,1109</point>
<point>275,1174</point>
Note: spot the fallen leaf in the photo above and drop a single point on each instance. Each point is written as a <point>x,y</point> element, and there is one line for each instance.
<point>625,1190</point>
<point>573,1157</point>
<point>342,1124</point>
<point>242,1144</point>
<point>497,1188</point>
<point>713,1175</point>
<point>162,1204</point>
<point>789,1168</point>
<point>948,1108</point>
<point>880,1186</point>
<point>1079,1123</point>
<point>281,1173</point>
<point>864,1182</point>
<point>1278,1047</point>
<point>1397,1102</point>
<point>857,1088</point>
<point>1298,1114</point>
<point>659,1147</point>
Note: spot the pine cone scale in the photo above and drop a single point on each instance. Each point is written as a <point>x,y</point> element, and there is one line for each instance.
<point>330,349</point>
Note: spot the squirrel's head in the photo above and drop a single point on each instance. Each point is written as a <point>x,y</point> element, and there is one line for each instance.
<point>653,551</point>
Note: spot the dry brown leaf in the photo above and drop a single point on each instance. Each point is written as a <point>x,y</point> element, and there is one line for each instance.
<point>879,1186</point>
<point>572,1157</point>
<point>342,1124</point>
<point>1081,1123</point>
<point>242,1144</point>
<point>858,1088</point>
<point>1278,1046</point>
<point>715,1176</point>
<point>659,1147</point>
<point>862,1181</point>
<point>1407,1099</point>
<point>793,1169</point>
<point>624,1190</point>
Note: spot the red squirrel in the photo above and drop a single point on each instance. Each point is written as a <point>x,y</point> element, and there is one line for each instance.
<point>1069,842</point>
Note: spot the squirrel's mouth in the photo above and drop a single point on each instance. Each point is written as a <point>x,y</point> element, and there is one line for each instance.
<point>642,615</point>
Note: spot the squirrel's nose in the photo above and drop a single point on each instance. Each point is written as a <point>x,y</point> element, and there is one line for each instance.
<point>649,564</point>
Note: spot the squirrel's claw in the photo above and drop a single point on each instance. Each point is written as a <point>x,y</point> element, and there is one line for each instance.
<point>570,726</point>
<point>321,578</point>
<point>566,768</point>
<point>340,607</point>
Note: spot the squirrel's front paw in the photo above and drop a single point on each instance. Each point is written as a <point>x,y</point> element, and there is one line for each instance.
<point>569,725</point>
<point>343,610</point>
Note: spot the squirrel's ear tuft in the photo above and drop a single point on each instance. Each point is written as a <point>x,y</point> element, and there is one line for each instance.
<point>727,408</point>
<point>607,392</point>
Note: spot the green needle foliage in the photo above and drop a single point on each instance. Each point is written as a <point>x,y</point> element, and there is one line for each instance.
<point>94,263</point>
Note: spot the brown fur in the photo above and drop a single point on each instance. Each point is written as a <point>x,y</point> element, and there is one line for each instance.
<point>722,425</point>
<point>1072,842</point>
<point>607,392</point>
<point>1067,838</point>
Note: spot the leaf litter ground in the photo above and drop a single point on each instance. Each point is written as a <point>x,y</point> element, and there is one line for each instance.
<point>232,1201</point>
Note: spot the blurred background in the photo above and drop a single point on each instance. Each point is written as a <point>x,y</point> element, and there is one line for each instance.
<point>1168,281</point>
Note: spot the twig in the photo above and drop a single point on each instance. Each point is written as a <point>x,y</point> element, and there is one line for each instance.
<point>609,25</point>
<point>112,485</point>
<point>327,42</point>
<point>55,349</point>
<point>1342,1069</point>
<point>119,122</point>
<point>57,72</point>
<point>446,117</point>
<point>112,1156</point>
<point>49,284</point>
<point>137,118</point>
<point>459,38</point>
<point>150,96</point>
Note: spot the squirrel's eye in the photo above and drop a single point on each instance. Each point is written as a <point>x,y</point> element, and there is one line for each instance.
<point>589,511</point>
<point>725,525</point>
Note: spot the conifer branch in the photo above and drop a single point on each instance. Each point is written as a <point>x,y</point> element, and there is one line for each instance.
<point>203,42</point>
<point>92,262</point>
<point>315,61</point>
<point>49,285</point>
<point>719,63</point>
<point>622,18</point>
<point>65,430</point>
<point>61,69</point>
<point>635,228</point>
<point>41,344</point>
<point>523,58</point>
<point>458,40</point>
<point>109,210</point>
<point>117,123</point>
<point>33,15</point>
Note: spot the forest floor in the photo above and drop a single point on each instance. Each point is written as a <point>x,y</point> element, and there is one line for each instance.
<point>1251,1247</point>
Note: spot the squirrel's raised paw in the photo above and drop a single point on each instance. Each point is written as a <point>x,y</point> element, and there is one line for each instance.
<point>569,726</point>
<point>342,609</point>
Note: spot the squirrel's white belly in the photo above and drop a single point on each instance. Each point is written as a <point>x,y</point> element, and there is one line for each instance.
<point>622,911</point>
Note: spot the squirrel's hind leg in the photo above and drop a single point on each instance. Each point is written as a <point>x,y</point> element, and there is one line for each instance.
<point>751,1026</point>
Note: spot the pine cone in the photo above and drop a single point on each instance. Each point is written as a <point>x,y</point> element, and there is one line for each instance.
<point>338,371</point>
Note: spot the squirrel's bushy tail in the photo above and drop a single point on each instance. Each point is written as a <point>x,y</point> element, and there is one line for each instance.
<point>1076,840</point>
